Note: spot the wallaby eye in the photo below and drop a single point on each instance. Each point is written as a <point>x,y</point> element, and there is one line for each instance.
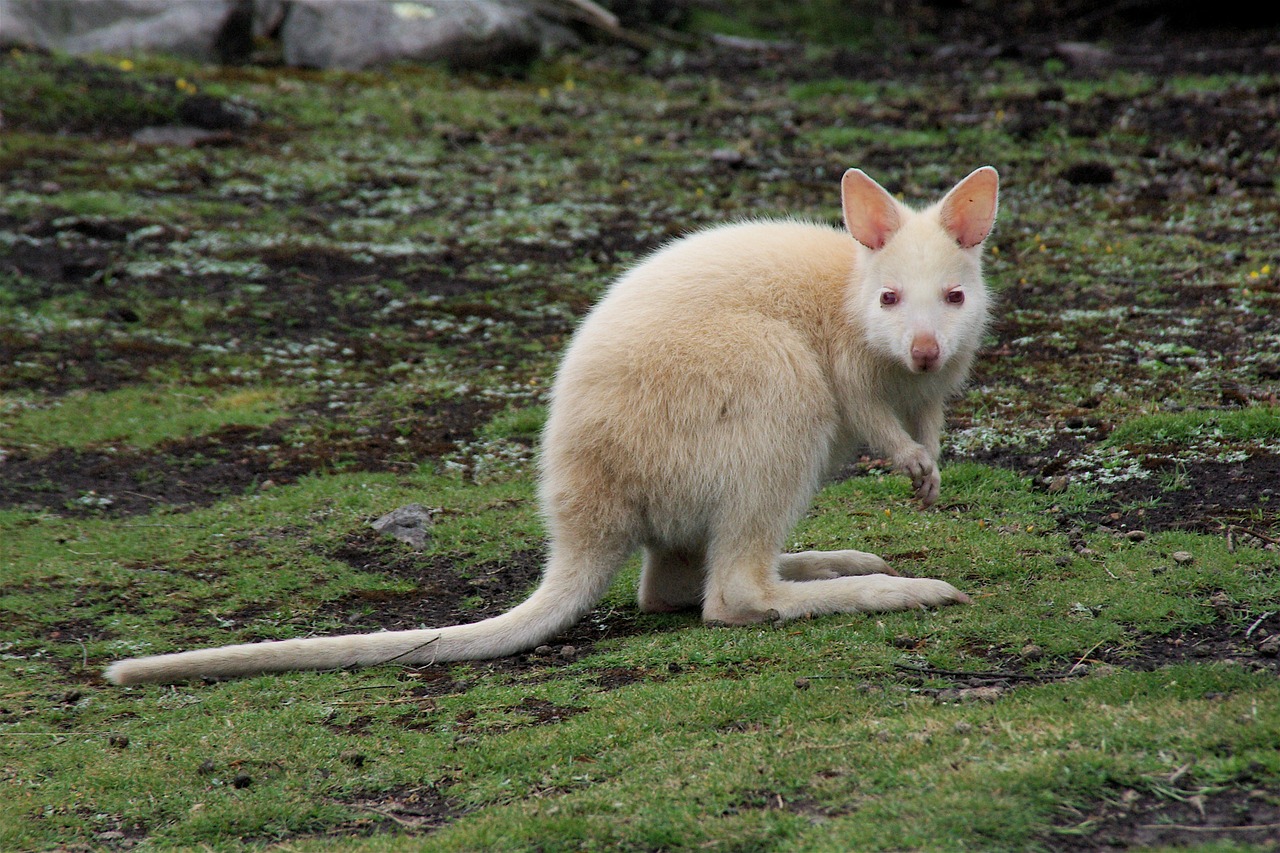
<point>888,297</point>
<point>955,297</point>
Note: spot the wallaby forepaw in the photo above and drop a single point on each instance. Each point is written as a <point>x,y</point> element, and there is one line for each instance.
<point>928,489</point>
<point>917,464</point>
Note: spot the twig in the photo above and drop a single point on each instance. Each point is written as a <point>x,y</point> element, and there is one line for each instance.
<point>399,700</point>
<point>985,676</point>
<point>841,745</point>
<point>1085,657</point>
<point>1261,536</point>
<point>367,687</point>
<point>408,823</point>
<point>1258,622</point>
<point>410,651</point>
<point>602,19</point>
<point>1183,827</point>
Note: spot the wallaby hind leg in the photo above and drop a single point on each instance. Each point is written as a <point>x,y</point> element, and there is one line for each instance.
<point>824,565</point>
<point>743,587</point>
<point>671,579</point>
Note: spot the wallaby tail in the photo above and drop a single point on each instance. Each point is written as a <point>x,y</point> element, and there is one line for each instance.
<point>567,593</point>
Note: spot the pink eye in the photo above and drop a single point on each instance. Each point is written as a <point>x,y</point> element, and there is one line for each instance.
<point>888,297</point>
<point>955,297</point>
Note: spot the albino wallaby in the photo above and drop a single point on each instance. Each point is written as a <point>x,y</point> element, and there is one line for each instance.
<point>699,408</point>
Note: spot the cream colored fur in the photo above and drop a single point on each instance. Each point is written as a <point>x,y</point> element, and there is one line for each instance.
<point>701,405</point>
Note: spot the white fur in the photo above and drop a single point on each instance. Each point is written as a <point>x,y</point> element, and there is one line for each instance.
<point>698,409</point>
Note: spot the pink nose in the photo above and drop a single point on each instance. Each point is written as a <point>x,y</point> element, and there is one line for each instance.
<point>925,353</point>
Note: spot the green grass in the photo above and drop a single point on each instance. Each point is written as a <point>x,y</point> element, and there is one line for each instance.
<point>403,254</point>
<point>140,417</point>
<point>681,758</point>
<point>1256,423</point>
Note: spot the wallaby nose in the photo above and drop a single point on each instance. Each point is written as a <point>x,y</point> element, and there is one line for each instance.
<point>925,352</point>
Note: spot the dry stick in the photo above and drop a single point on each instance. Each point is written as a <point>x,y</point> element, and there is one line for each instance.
<point>410,651</point>
<point>1264,538</point>
<point>1085,656</point>
<point>1190,828</point>
<point>987,676</point>
<point>1258,622</point>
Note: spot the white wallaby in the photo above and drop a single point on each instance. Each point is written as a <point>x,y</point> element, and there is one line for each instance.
<point>699,408</point>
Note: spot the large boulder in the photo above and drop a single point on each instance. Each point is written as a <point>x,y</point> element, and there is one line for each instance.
<point>344,34</point>
<point>355,34</point>
<point>207,30</point>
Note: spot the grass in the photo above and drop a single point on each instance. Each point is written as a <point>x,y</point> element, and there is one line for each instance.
<point>361,302</point>
<point>141,417</point>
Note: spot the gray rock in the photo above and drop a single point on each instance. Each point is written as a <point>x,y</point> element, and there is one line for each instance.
<point>410,524</point>
<point>206,30</point>
<point>356,34</point>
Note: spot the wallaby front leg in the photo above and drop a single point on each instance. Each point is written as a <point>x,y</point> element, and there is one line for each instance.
<point>887,434</point>
<point>926,428</point>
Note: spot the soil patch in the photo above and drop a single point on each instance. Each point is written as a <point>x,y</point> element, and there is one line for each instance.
<point>1132,820</point>
<point>442,594</point>
<point>230,461</point>
<point>419,809</point>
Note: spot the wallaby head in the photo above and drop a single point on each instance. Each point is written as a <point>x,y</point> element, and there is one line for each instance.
<point>919,292</point>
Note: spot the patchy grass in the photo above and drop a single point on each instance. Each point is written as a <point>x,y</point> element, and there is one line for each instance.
<point>222,363</point>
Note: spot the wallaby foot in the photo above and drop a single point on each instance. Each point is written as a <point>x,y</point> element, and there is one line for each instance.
<point>824,565</point>
<point>785,600</point>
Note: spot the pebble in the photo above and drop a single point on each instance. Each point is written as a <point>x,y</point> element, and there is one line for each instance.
<point>1183,557</point>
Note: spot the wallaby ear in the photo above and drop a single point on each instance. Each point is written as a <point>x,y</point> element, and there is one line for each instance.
<point>870,213</point>
<point>969,210</point>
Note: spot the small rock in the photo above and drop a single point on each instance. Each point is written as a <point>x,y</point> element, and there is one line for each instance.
<point>118,741</point>
<point>355,759</point>
<point>181,137</point>
<point>1270,646</point>
<point>728,157</point>
<point>1031,652</point>
<point>543,651</point>
<point>963,727</point>
<point>1183,557</point>
<point>410,524</point>
<point>802,683</point>
<point>1136,535</point>
<point>1083,55</point>
<point>980,694</point>
<point>568,652</point>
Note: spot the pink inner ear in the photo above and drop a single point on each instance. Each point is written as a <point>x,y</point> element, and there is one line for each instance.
<point>870,213</point>
<point>969,210</point>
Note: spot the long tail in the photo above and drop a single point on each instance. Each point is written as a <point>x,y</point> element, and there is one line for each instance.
<point>564,597</point>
